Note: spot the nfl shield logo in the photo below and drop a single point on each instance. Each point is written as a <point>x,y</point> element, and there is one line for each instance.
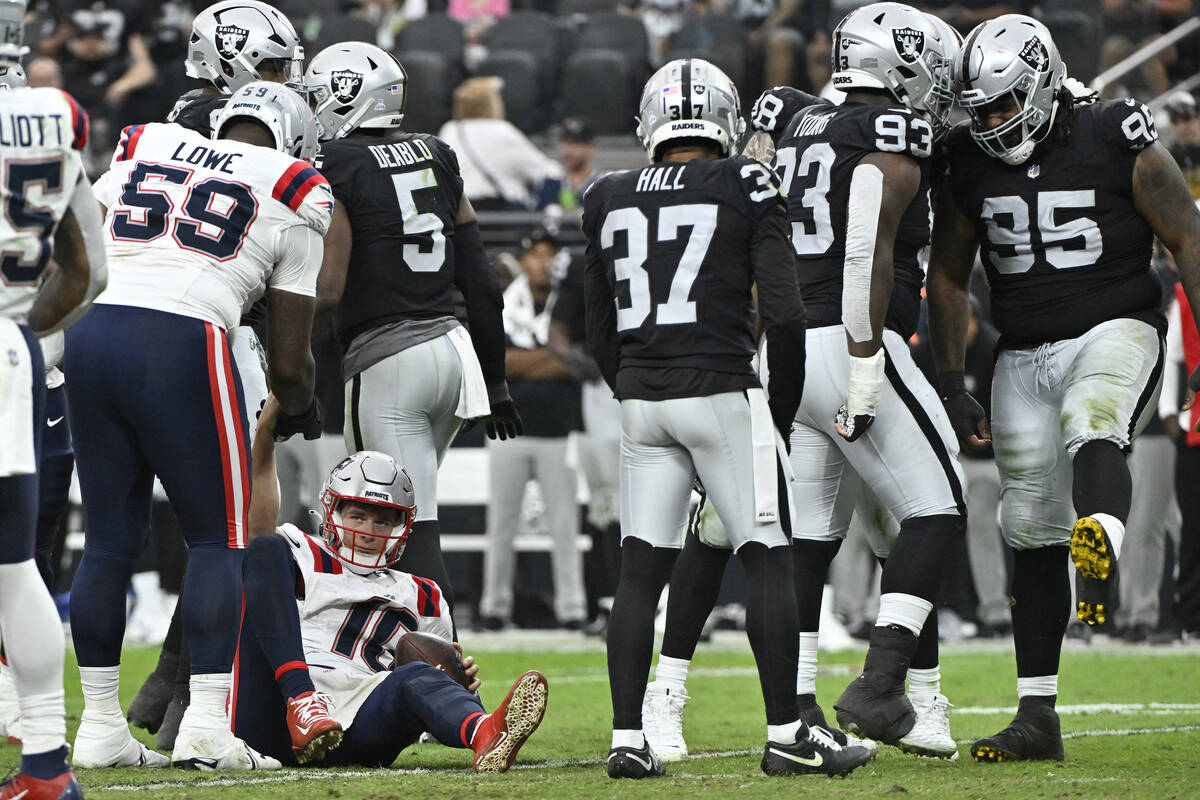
<point>13,358</point>
<point>1034,171</point>
<point>1034,54</point>
<point>346,84</point>
<point>909,43</point>
<point>230,41</point>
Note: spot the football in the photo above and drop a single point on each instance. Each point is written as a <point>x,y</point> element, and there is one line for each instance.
<point>433,650</point>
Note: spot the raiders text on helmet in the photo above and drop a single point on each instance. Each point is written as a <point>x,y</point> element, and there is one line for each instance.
<point>234,41</point>
<point>279,108</point>
<point>356,85</point>
<point>689,98</point>
<point>375,479</point>
<point>1010,59</point>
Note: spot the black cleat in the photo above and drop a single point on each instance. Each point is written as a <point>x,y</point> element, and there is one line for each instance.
<point>636,763</point>
<point>1095,571</point>
<point>813,753</point>
<point>1033,735</point>
<point>874,705</point>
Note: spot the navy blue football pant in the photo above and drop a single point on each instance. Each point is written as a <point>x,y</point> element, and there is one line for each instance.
<point>19,493</point>
<point>153,393</point>
<point>54,483</point>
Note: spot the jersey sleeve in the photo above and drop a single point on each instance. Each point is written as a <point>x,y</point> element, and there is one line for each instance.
<point>299,250</point>
<point>433,612</point>
<point>306,191</point>
<point>758,189</point>
<point>1127,125</point>
<point>774,108</point>
<point>303,548</point>
<point>447,159</point>
<point>78,122</point>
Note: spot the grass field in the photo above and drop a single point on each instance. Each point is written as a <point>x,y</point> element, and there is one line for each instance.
<point>1131,715</point>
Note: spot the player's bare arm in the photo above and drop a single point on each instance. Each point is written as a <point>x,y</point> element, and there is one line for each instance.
<point>760,147</point>
<point>1161,196</point>
<point>290,365</point>
<point>264,482</point>
<point>79,255</point>
<point>331,281</point>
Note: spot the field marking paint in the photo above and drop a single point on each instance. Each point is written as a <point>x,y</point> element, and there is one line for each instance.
<point>289,775</point>
<point>1150,709</point>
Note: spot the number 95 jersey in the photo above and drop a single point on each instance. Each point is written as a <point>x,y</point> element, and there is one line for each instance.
<point>201,227</point>
<point>816,157</point>
<point>1063,246</point>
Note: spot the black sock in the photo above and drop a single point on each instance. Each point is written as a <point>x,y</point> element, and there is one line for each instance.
<point>810,563</point>
<point>644,572</point>
<point>271,612</point>
<point>695,584</point>
<point>1101,483</point>
<point>916,564</point>
<point>926,655</point>
<point>1041,609</point>
<point>423,557</point>
<point>772,627</point>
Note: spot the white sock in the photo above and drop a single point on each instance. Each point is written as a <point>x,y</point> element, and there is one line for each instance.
<point>210,694</point>
<point>628,738</point>
<point>924,683</point>
<point>806,667</point>
<point>1041,686</point>
<point>1115,529</point>
<point>905,610</point>
<point>783,734</point>
<point>100,689</point>
<point>34,638</point>
<point>671,672</point>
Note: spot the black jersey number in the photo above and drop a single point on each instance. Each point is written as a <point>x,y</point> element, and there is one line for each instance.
<point>19,268</point>
<point>814,235</point>
<point>417,257</point>
<point>630,268</point>
<point>1066,239</point>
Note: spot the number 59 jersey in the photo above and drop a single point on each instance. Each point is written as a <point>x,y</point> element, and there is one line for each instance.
<point>816,157</point>
<point>1062,244</point>
<point>201,228</point>
<point>41,133</point>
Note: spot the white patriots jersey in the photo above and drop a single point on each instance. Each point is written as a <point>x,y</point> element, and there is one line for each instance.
<point>195,226</point>
<point>41,134</point>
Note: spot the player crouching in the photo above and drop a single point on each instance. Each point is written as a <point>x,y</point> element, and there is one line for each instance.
<point>317,675</point>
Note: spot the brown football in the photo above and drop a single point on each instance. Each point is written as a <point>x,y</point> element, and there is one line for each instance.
<point>433,650</point>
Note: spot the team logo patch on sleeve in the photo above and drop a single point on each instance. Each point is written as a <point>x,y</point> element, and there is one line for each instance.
<point>230,41</point>
<point>1034,54</point>
<point>346,85</point>
<point>910,43</point>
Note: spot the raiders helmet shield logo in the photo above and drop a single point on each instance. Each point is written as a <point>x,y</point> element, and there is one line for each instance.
<point>909,43</point>
<point>230,41</point>
<point>346,84</point>
<point>1035,55</point>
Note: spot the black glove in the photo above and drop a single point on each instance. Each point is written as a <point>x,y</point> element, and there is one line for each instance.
<point>1194,380</point>
<point>308,423</point>
<point>504,422</point>
<point>850,427</point>
<point>964,410</point>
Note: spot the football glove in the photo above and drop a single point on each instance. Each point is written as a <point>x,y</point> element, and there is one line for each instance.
<point>967,417</point>
<point>308,423</point>
<point>862,396</point>
<point>504,422</point>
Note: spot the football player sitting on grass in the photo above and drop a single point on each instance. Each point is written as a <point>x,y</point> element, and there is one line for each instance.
<point>319,675</point>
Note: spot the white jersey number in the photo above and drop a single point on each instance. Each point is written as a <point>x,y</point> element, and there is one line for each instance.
<point>1066,239</point>
<point>810,238</point>
<point>418,259</point>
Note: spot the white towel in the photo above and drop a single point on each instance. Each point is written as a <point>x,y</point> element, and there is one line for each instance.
<point>765,440</point>
<point>472,394</point>
<point>17,456</point>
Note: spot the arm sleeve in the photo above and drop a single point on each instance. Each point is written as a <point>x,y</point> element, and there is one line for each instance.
<point>782,311</point>
<point>475,278</point>
<point>601,317</point>
<point>299,249</point>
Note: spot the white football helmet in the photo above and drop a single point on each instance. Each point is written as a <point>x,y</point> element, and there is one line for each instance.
<point>690,98</point>
<point>892,47</point>
<point>284,112</point>
<point>375,479</point>
<point>356,85</point>
<point>942,94</point>
<point>12,76</point>
<point>233,39</point>
<point>1010,59</point>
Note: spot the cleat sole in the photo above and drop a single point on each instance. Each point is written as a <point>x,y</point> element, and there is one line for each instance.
<point>522,717</point>
<point>984,752</point>
<point>319,747</point>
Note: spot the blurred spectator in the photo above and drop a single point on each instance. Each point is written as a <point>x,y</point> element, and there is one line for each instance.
<point>546,393</point>
<point>774,39</point>
<point>1128,25</point>
<point>1182,60</point>
<point>661,18</point>
<point>501,169</point>
<point>390,16</point>
<point>576,151</point>
<point>477,16</point>
<point>44,71</point>
<point>964,15</point>
<point>1185,124</point>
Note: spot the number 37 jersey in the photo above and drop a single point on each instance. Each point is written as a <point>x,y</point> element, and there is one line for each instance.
<point>201,228</point>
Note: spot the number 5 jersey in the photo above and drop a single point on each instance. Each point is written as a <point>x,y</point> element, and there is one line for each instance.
<point>200,228</point>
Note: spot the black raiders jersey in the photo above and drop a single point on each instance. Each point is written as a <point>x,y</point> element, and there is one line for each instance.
<point>1063,246</point>
<point>816,157</point>
<point>676,246</point>
<point>401,193</point>
<point>774,109</point>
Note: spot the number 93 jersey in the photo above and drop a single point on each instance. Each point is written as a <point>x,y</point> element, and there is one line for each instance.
<point>201,228</point>
<point>41,133</point>
<point>402,194</point>
<point>816,157</point>
<point>1063,246</point>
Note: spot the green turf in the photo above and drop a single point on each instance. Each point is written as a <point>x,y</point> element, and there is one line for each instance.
<point>724,725</point>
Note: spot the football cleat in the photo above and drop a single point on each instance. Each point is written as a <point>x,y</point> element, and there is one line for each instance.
<point>27,787</point>
<point>662,721</point>
<point>635,763</point>
<point>1095,571</point>
<point>210,750</point>
<point>813,753</point>
<point>930,736</point>
<point>500,735</point>
<point>814,717</point>
<point>1033,735</point>
<point>865,709</point>
<point>314,731</point>
<point>102,743</point>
